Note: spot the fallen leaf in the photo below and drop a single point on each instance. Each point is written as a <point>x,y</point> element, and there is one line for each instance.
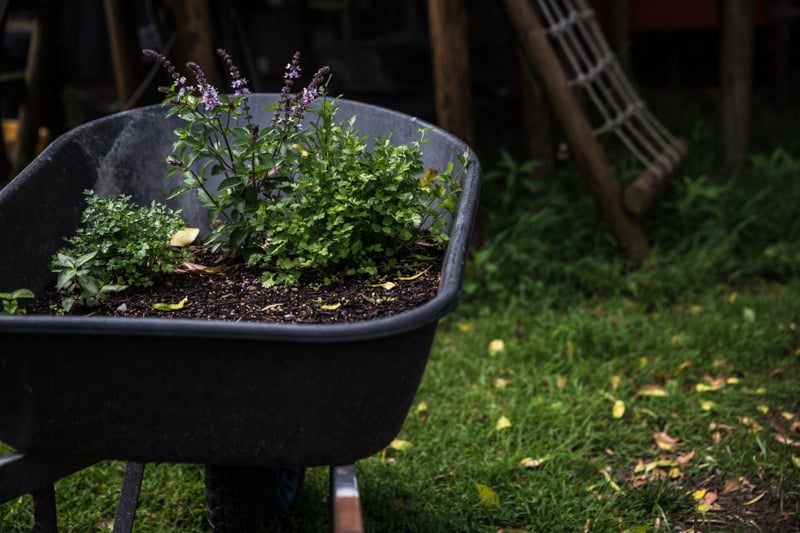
<point>561,382</point>
<point>783,439</point>
<point>615,382</point>
<point>752,424</point>
<point>763,409</point>
<point>388,285</point>
<point>711,384</point>
<point>184,237</point>
<point>610,481</point>
<point>170,307</point>
<point>194,268</point>
<point>421,410</point>
<point>489,498</point>
<point>501,383</point>
<point>685,458</point>
<point>399,444</point>
<point>707,405</point>
<point>531,463</point>
<point>796,461</point>
<point>652,465</point>
<point>618,411</point>
<point>502,423</point>
<point>496,346</point>
<point>652,390</point>
<point>415,276</point>
<point>331,307</point>
<point>664,441</point>
<point>754,500</point>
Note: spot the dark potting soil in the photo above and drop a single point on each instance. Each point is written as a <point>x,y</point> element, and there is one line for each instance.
<point>236,294</point>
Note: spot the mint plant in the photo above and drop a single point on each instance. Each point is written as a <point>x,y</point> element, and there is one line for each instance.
<point>10,303</point>
<point>119,244</point>
<point>305,192</point>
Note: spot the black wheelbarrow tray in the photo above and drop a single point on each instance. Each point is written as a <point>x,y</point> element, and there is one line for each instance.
<point>79,389</point>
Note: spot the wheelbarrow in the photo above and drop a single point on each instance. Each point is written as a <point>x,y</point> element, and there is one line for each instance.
<point>245,397</point>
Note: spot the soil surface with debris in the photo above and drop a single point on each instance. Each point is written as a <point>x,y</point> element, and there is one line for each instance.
<point>236,294</point>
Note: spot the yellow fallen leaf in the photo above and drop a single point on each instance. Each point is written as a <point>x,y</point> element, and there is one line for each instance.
<point>610,481</point>
<point>732,381</point>
<point>170,307</point>
<point>754,500</point>
<point>465,327</point>
<point>796,461</point>
<point>618,411</point>
<point>184,237</point>
<point>652,465</point>
<point>399,444</point>
<point>763,409</point>
<point>707,405</point>
<point>331,307</point>
<point>386,285</point>
<point>502,423</point>
<point>531,463</point>
<point>705,387</point>
<point>652,391</point>
<point>752,424</point>
<point>699,494</point>
<point>422,409</point>
<point>561,382</point>
<point>615,382</point>
<point>489,498</point>
<point>496,346</point>
<point>787,415</point>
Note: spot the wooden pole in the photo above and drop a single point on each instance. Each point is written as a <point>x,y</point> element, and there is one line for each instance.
<point>37,82</point>
<point>195,38</point>
<point>447,23</point>
<point>591,159</point>
<point>737,19</point>
<point>124,49</point>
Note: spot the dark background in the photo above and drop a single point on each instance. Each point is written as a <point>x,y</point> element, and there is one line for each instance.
<point>379,52</point>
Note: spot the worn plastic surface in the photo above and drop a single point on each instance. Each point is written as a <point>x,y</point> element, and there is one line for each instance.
<point>165,390</point>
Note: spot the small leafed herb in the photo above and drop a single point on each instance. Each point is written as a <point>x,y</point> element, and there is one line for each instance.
<point>305,192</point>
<point>119,244</point>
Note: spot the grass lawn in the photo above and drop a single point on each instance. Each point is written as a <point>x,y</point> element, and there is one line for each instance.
<point>569,392</point>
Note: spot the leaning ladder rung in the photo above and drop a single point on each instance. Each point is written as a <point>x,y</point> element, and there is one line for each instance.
<point>345,501</point>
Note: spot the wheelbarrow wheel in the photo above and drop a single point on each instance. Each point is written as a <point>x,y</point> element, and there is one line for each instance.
<point>243,499</point>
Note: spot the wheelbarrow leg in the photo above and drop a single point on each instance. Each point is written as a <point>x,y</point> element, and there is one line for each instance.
<point>345,501</point>
<point>44,510</point>
<point>128,497</point>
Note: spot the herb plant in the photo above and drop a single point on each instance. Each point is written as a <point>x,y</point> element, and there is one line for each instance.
<point>302,193</point>
<point>10,303</point>
<point>120,244</point>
